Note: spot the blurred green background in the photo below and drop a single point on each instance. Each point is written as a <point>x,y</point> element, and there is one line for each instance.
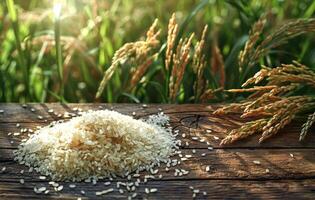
<point>92,30</point>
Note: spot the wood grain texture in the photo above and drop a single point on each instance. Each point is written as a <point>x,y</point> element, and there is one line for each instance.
<point>233,174</point>
<point>192,119</point>
<point>216,189</point>
<point>227,164</point>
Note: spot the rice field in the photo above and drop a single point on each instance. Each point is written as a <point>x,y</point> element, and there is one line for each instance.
<point>195,52</point>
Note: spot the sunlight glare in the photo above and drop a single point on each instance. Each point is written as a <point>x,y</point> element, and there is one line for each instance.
<point>57,10</point>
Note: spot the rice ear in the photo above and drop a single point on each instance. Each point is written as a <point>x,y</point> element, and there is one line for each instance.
<point>217,64</point>
<point>307,126</point>
<point>135,51</point>
<point>272,103</point>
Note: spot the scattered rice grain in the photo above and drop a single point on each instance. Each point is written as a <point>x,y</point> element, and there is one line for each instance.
<point>3,169</point>
<point>152,190</point>
<point>60,187</point>
<point>104,192</point>
<point>210,148</point>
<point>257,162</point>
<point>107,183</point>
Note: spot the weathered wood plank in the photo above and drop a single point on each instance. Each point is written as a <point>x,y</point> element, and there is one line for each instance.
<point>16,113</point>
<point>193,120</point>
<point>233,173</point>
<point>224,164</point>
<point>216,189</point>
<point>283,140</point>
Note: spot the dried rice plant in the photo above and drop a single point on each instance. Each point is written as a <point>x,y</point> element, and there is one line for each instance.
<point>135,52</point>
<point>180,61</point>
<point>307,126</point>
<point>70,46</point>
<point>272,106</point>
<point>255,49</point>
<point>254,35</point>
<point>199,65</point>
<point>201,86</point>
<point>217,64</point>
<point>34,16</point>
<point>209,94</point>
<point>140,71</point>
<point>171,37</point>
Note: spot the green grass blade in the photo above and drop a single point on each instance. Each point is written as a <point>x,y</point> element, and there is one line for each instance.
<point>131,97</point>
<point>11,10</point>
<point>21,56</point>
<point>59,57</point>
<point>189,17</point>
<point>231,65</point>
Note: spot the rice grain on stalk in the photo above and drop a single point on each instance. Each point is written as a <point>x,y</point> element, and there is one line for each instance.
<point>306,126</point>
<point>209,94</point>
<point>253,38</point>
<point>180,61</point>
<point>140,71</point>
<point>135,51</point>
<point>217,64</point>
<point>255,49</point>
<point>199,65</point>
<point>272,105</point>
<point>171,38</point>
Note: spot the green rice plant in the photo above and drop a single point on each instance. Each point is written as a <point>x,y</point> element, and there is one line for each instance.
<point>15,26</point>
<point>176,57</point>
<point>93,30</point>
<point>57,10</point>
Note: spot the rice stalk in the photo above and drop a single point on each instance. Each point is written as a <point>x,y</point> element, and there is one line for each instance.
<point>254,35</point>
<point>272,105</point>
<point>199,65</point>
<point>217,64</point>
<point>135,52</point>
<point>21,57</point>
<point>283,117</point>
<point>59,57</point>
<point>140,71</point>
<point>293,73</point>
<point>253,89</point>
<point>255,49</point>
<point>209,94</point>
<point>232,108</point>
<point>171,38</point>
<point>180,61</point>
<point>198,57</point>
<point>244,131</point>
<point>307,126</point>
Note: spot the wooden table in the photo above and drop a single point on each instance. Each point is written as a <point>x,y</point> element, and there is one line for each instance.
<point>286,169</point>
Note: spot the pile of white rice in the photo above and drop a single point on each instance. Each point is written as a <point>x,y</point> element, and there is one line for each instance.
<point>98,144</point>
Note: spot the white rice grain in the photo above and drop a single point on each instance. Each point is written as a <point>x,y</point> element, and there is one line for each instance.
<point>117,143</point>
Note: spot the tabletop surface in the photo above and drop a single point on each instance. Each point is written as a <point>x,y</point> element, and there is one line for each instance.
<point>282,167</point>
